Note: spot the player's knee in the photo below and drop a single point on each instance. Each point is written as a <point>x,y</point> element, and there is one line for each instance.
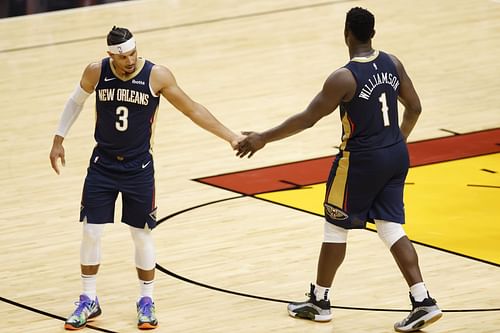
<point>389,232</point>
<point>141,237</point>
<point>334,234</point>
<point>144,248</point>
<point>92,233</point>
<point>90,250</point>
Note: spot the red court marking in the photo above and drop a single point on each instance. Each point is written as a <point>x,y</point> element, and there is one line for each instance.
<point>269,179</point>
<point>454,147</point>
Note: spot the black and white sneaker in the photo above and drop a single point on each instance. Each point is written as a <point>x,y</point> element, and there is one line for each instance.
<point>311,309</point>
<point>423,314</point>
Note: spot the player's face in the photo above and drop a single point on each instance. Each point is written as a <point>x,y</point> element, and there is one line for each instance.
<point>125,63</point>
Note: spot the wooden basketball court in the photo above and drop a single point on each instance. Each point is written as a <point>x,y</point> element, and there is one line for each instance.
<point>228,260</point>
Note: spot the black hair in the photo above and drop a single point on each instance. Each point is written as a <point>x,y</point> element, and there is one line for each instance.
<point>118,35</point>
<point>361,23</point>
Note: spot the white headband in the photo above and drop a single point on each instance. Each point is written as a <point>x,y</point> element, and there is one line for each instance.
<point>124,47</point>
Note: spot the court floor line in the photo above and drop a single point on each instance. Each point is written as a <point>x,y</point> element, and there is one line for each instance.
<point>48,314</point>
<point>263,298</point>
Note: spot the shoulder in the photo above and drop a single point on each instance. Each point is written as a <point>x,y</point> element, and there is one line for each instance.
<point>341,75</point>
<point>160,70</point>
<point>339,86</point>
<point>93,68</point>
<point>341,79</point>
<point>161,78</point>
<point>91,75</point>
<point>162,74</point>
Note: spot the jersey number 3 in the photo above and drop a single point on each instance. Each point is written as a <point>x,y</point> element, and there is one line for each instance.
<point>121,123</point>
<point>385,109</point>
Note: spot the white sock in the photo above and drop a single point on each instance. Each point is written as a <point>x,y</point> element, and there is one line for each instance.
<point>89,283</point>
<point>321,293</point>
<point>418,291</point>
<point>147,288</point>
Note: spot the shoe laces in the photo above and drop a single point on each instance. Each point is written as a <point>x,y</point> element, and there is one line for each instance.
<point>81,306</point>
<point>146,309</point>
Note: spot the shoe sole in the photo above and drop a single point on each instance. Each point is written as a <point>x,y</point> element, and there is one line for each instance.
<point>311,316</point>
<point>423,322</point>
<point>146,326</point>
<point>70,327</point>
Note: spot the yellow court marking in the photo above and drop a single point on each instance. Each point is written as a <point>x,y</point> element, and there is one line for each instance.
<point>442,209</point>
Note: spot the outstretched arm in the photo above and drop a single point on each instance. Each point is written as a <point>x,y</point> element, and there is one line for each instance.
<point>71,112</point>
<point>164,82</point>
<point>337,88</point>
<point>409,98</point>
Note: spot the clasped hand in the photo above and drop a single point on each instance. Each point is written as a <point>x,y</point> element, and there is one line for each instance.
<point>251,142</point>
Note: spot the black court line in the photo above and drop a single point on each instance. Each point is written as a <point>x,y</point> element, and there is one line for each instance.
<point>449,131</point>
<point>262,298</point>
<point>319,215</point>
<point>184,25</point>
<point>47,314</point>
<point>51,315</point>
<point>413,241</point>
<point>295,185</point>
<point>204,285</point>
<point>487,186</point>
<point>179,277</point>
<point>195,207</point>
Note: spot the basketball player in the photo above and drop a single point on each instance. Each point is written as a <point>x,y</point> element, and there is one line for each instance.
<point>367,177</point>
<point>128,90</point>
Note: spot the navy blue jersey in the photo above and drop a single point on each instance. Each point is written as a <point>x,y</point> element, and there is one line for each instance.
<point>125,112</point>
<point>370,119</point>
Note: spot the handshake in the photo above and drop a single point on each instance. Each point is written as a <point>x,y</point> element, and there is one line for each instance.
<point>248,143</point>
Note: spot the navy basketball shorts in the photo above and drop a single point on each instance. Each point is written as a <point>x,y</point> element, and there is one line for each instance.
<point>133,179</point>
<point>367,185</point>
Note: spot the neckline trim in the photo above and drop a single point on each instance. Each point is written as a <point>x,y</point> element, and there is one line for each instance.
<point>369,58</point>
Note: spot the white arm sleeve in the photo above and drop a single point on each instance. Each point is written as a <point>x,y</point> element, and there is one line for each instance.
<point>72,109</point>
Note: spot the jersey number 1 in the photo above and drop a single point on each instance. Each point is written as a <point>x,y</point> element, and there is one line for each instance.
<point>122,122</point>
<point>385,109</point>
